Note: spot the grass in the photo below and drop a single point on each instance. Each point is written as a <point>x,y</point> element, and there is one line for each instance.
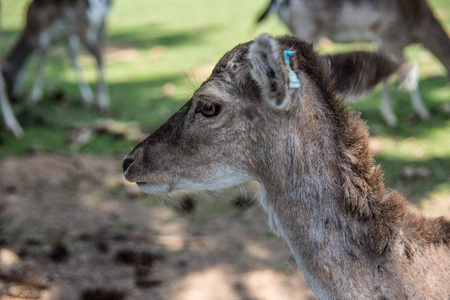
<point>175,43</point>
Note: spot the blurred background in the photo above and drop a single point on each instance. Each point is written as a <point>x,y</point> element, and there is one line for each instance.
<point>71,228</point>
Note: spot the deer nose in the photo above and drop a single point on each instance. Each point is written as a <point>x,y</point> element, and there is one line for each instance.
<point>127,163</point>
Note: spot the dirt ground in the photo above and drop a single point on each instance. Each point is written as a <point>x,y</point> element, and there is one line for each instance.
<point>72,228</point>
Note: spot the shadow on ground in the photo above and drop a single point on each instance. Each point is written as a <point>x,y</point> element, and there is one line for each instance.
<point>77,229</point>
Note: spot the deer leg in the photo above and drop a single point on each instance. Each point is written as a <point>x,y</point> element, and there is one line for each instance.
<point>18,84</point>
<point>386,109</point>
<point>36,92</point>
<point>418,105</point>
<point>102,89</point>
<point>8,114</point>
<point>86,92</point>
<point>103,93</point>
<point>413,88</point>
<point>410,83</point>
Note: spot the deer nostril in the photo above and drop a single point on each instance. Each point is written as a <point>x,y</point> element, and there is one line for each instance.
<point>127,163</point>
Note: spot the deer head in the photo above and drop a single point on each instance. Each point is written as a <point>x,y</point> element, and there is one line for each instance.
<point>241,121</point>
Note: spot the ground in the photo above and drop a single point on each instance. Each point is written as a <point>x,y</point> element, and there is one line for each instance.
<point>80,232</point>
<point>74,229</point>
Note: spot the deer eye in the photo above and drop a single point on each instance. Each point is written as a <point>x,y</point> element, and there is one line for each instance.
<point>208,109</point>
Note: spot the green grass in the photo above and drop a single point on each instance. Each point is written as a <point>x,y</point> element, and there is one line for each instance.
<point>154,43</point>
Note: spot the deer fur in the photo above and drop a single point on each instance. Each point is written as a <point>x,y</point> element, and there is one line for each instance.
<point>51,21</point>
<point>351,237</point>
<point>392,25</point>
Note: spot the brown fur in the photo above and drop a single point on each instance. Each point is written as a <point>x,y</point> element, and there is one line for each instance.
<point>351,237</point>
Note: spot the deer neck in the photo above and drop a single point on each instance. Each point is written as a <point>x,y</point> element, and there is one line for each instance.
<point>309,209</point>
<point>296,215</point>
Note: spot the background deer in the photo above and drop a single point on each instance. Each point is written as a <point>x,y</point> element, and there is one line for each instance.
<point>50,21</point>
<point>392,25</point>
<point>279,122</point>
<point>7,112</point>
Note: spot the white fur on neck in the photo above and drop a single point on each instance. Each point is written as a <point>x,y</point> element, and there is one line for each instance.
<point>277,227</point>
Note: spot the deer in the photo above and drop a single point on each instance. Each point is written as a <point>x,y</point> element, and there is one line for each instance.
<point>51,21</point>
<point>271,112</point>
<point>391,25</point>
<point>5,106</point>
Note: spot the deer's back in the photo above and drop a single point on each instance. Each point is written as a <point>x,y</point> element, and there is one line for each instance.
<point>59,19</point>
<point>354,20</point>
<point>415,265</point>
<point>418,262</point>
<point>424,270</point>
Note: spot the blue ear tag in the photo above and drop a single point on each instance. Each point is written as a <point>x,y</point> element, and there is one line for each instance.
<point>294,82</point>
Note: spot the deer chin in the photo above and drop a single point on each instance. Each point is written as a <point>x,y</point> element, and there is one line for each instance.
<point>149,188</point>
<point>184,184</point>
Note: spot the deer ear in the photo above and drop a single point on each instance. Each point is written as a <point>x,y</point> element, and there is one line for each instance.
<point>269,70</point>
<point>358,72</point>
